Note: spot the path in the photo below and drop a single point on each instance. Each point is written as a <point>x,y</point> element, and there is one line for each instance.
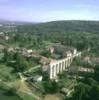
<point>33,68</point>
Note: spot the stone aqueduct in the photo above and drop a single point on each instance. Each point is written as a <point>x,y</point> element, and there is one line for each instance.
<point>60,65</point>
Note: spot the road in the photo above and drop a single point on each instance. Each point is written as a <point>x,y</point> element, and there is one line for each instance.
<point>33,68</point>
<point>29,93</point>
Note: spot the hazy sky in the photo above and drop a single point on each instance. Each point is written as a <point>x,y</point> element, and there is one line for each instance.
<point>49,10</point>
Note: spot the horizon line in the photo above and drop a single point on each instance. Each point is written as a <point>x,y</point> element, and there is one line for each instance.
<point>48,21</point>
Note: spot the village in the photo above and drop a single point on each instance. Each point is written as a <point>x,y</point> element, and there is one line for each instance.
<point>54,63</point>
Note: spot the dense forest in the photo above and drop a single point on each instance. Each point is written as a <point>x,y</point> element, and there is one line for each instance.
<point>79,34</point>
<point>61,27</point>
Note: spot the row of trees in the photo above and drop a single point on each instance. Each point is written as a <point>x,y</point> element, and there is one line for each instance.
<point>87,88</point>
<point>15,60</point>
<point>85,91</point>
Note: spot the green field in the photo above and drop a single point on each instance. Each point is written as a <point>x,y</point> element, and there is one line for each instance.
<point>6,73</point>
<point>5,96</point>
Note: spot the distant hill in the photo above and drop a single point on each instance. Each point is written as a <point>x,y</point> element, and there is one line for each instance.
<point>69,26</point>
<point>7,22</point>
<point>61,26</point>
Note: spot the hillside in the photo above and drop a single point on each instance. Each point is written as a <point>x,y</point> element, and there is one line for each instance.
<point>27,48</point>
<point>80,34</point>
<point>62,27</point>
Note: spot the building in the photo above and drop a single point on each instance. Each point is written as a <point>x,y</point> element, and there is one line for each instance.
<point>51,50</point>
<point>6,37</point>
<point>30,51</point>
<point>44,61</point>
<point>59,66</point>
<point>37,78</point>
<point>67,54</point>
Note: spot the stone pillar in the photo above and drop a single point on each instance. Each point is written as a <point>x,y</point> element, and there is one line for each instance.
<point>57,68</point>
<point>52,71</point>
<point>66,64</point>
<point>60,67</point>
<point>63,66</point>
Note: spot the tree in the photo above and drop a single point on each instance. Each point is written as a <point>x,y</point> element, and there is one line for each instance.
<point>45,76</point>
<point>88,91</point>
<point>46,53</point>
<point>96,74</point>
<point>8,56</point>
<point>21,63</point>
<point>51,87</point>
<point>11,91</point>
<point>81,92</point>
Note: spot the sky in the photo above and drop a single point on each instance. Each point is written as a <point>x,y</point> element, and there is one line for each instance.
<point>49,10</point>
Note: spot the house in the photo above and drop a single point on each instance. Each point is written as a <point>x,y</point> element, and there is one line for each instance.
<point>65,51</point>
<point>10,49</point>
<point>64,91</point>
<point>44,60</point>
<point>46,66</point>
<point>29,51</point>
<point>6,37</point>
<point>51,50</point>
<point>59,49</point>
<point>37,78</point>
<point>67,54</point>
